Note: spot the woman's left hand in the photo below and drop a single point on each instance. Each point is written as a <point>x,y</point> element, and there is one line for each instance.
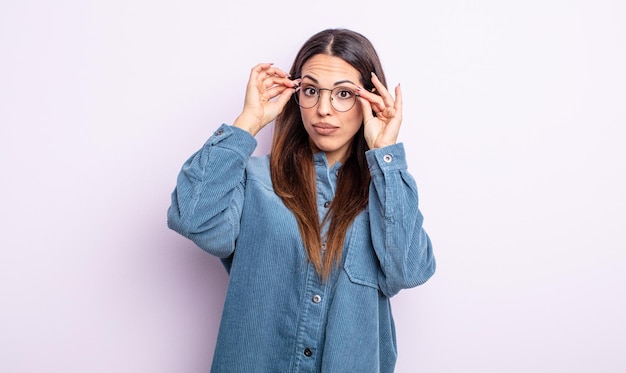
<point>381,129</point>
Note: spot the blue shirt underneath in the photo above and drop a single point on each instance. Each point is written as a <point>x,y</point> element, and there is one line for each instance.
<point>278,315</point>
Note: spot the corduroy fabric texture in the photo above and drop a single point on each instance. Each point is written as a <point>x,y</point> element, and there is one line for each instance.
<point>278,315</point>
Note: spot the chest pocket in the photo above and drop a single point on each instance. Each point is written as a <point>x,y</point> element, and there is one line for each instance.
<point>361,263</point>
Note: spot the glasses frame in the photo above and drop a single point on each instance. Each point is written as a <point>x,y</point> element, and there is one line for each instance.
<point>297,92</point>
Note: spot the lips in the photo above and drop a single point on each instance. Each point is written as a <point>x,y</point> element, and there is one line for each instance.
<point>324,128</point>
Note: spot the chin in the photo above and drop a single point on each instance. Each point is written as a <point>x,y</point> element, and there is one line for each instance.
<point>323,146</point>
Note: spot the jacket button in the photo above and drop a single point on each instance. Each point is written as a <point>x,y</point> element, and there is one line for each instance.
<point>326,204</point>
<point>219,132</point>
<point>316,298</point>
<point>387,158</point>
<point>308,352</point>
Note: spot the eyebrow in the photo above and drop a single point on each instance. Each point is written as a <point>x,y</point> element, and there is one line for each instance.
<point>335,84</point>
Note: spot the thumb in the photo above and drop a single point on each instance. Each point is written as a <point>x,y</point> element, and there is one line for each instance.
<point>284,97</point>
<point>366,108</point>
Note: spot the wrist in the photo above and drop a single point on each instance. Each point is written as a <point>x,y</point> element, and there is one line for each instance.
<point>247,123</point>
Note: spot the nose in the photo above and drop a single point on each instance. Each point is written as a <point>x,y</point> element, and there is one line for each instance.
<point>324,105</point>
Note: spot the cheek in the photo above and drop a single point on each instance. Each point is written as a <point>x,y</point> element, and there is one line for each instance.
<point>305,114</point>
<point>355,120</point>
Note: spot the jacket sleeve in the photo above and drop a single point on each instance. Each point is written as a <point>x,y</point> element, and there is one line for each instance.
<point>402,245</point>
<point>208,198</point>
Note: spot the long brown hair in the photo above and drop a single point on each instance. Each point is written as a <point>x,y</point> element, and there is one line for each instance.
<point>291,158</point>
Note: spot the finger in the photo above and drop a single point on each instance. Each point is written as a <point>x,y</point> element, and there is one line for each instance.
<point>275,81</point>
<point>260,68</point>
<point>263,71</point>
<point>284,97</point>
<point>275,71</point>
<point>398,103</point>
<point>395,114</point>
<point>268,71</point>
<point>373,99</point>
<point>384,93</point>
<point>395,111</point>
<point>278,90</point>
<point>258,75</point>
<point>366,108</point>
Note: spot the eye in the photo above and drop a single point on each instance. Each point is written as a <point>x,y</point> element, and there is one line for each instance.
<point>344,93</point>
<point>310,91</point>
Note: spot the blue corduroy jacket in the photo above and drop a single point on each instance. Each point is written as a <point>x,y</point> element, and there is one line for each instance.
<point>278,315</point>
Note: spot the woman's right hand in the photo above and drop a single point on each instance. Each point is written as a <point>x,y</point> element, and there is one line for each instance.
<point>268,91</point>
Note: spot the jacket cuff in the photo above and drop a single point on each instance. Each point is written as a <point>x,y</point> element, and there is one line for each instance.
<point>233,138</point>
<point>389,158</point>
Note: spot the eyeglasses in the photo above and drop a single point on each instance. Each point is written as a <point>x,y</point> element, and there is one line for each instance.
<point>341,98</point>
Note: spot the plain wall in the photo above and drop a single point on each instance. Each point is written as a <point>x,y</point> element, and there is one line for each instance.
<point>514,124</point>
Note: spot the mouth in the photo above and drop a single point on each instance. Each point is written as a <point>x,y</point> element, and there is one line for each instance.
<point>324,128</point>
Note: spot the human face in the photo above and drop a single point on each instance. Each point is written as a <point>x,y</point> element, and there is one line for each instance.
<point>329,130</point>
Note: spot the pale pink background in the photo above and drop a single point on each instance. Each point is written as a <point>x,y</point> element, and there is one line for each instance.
<point>514,125</point>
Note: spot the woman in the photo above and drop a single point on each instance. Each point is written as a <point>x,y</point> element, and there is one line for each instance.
<point>318,235</point>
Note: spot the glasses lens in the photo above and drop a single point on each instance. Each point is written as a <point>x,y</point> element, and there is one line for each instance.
<point>307,97</point>
<point>341,98</point>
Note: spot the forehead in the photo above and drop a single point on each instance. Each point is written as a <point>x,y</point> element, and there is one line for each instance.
<point>330,69</point>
